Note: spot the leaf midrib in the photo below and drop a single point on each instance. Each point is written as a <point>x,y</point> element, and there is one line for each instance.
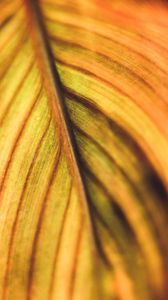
<point>52,86</point>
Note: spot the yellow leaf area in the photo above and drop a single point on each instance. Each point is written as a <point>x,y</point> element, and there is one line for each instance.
<point>83,150</point>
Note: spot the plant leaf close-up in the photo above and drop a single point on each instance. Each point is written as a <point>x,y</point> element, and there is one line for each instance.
<point>83,150</point>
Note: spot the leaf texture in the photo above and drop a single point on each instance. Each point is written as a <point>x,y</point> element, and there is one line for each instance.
<point>83,150</point>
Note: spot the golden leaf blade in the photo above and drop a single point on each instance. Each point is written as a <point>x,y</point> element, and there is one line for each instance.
<point>83,168</point>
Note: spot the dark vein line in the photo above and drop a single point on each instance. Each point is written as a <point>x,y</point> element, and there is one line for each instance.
<point>99,183</point>
<point>6,21</point>
<point>99,246</point>
<point>110,230</point>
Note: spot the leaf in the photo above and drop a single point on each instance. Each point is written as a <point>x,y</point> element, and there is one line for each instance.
<point>83,150</point>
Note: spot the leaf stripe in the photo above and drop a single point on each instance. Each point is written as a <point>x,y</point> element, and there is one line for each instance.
<point>121,216</point>
<point>112,85</point>
<point>72,281</point>
<point>124,67</point>
<point>59,242</point>
<point>17,140</point>
<point>127,225</point>
<point>118,14</point>
<point>11,58</point>
<point>14,226</point>
<point>38,228</point>
<point>30,66</point>
<point>6,21</point>
<point>55,38</point>
<point>135,189</point>
<point>125,134</point>
<point>6,44</point>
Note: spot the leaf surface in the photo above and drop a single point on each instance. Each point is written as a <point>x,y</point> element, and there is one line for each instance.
<point>83,144</point>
